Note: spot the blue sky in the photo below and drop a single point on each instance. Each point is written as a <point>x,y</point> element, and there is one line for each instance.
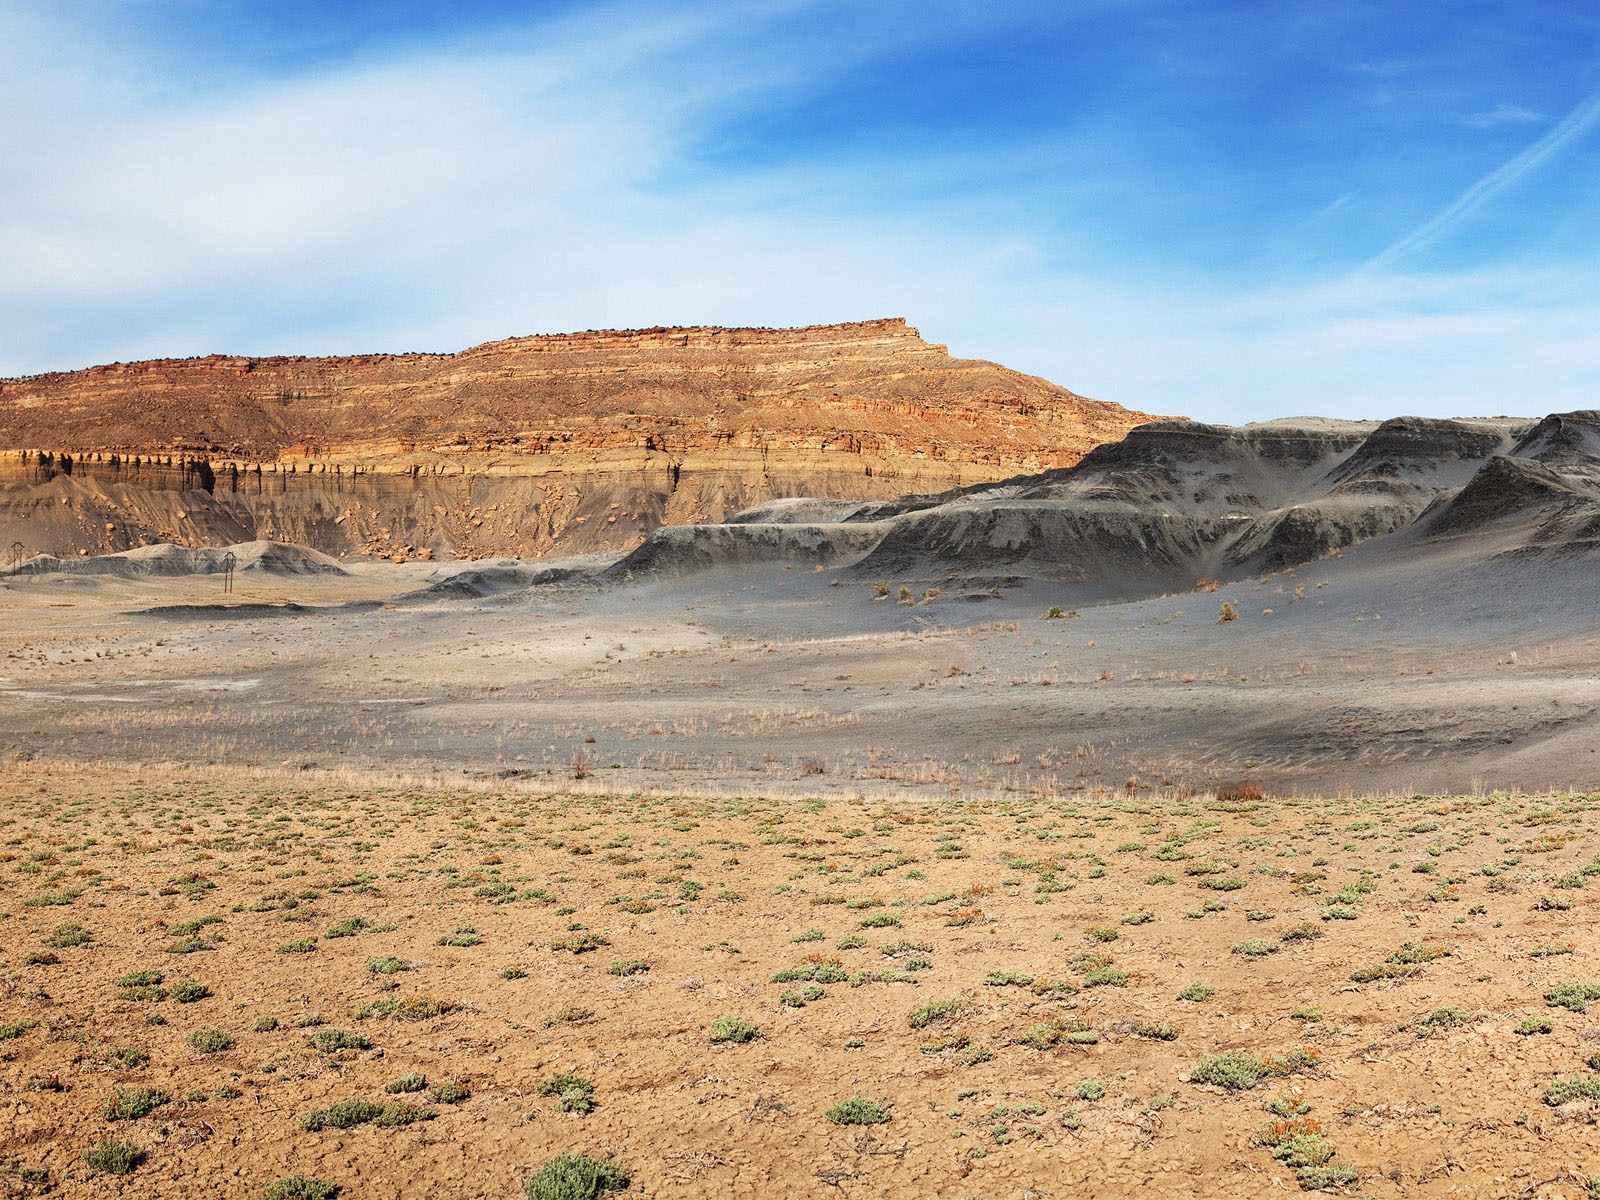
<point>1233,210</point>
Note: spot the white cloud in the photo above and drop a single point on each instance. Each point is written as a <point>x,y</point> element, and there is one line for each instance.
<point>443,198</point>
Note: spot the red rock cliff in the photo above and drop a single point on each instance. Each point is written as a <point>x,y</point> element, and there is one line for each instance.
<point>526,446</point>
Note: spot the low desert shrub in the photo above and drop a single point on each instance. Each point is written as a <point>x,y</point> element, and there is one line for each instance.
<point>1300,1143</point>
<point>734,1029</point>
<point>1255,948</point>
<point>1575,1087</point>
<point>210,1041</point>
<point>1161,1031</point>
<point>129,1104</point>
<point>114,1158</point>
<point>580,943</point>
<point>1236,1071</point>
<point>1442,1018</point>
<point>300,1187</point>
<point>934,1010</point>
<point>858,1110</point>
<point>1572,996</point>
<point>827,971</point>
<point>574,1093</point>
<point>1106,976</point>
<point>575,1177</point>
<point>69,935</point>
<point>1008,979</point>
<point>350,1113</point>
<point>53,899</point>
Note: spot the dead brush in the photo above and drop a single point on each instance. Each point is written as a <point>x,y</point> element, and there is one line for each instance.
<point>1301,1058</point>
<point>1279,1131</point>
<point>1248,792</point>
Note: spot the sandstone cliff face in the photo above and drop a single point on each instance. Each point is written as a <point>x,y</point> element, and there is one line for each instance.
<point>529,446</point>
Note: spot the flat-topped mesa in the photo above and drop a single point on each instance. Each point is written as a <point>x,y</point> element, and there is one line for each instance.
<point>574,441</point>
<point>885,331</point>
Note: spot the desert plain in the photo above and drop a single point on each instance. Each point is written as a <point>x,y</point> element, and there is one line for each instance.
<point>766,881</point>
<point>857,789</point>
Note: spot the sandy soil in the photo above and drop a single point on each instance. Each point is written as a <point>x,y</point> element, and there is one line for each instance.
<point>1378,956</point>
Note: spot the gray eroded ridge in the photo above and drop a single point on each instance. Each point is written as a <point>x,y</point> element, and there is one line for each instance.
<point>1179,501</point>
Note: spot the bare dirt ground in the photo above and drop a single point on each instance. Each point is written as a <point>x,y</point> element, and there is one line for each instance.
<point>1442,673</point>
<point>1030,989</point>
<point>559,832</point>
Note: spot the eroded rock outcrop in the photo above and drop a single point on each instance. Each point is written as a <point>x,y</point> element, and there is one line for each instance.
<point>572,442</point>
<point>1176,502</point>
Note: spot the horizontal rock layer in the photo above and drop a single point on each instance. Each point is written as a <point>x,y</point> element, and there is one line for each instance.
<point>527,446</point>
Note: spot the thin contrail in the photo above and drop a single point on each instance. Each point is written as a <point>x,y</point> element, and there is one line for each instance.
<point>1576,123</point>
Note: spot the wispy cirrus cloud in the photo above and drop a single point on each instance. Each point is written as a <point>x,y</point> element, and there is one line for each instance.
<point>1570,129</point>
<point>1115,195</point>
<point>1502,114</point>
